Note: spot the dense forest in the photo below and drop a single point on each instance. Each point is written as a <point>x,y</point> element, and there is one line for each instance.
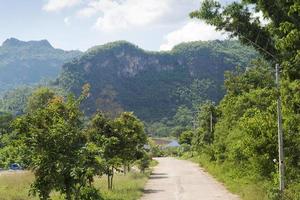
<point>124,77</point>
<point>30,63</point>
<point>153,84</point>
<point>236,140</point>
<point>218,98</point>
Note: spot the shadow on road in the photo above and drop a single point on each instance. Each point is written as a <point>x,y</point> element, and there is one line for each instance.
<point>158,177</point>
<point>150,191</point>
<point>158,174</point>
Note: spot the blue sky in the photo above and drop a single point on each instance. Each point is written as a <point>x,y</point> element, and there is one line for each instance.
<point>81,24</point>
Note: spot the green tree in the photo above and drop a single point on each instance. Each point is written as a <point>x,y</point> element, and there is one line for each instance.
<point>144,162</point>
<point>101,133</point>
<point>133,137</point>
<point>186,137</point>
<point>5,119</point>
<point>277,38</point>
<point>39,99</point>
<point>120,141</point>
<point>181,121</point>
<point>14,101</point>
<point>207,118</point>
<point>56,146</point>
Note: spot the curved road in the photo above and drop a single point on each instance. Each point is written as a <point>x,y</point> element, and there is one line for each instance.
<point>174,179</point>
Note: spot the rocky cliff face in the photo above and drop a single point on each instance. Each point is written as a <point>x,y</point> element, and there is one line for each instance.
<point>148,82</point>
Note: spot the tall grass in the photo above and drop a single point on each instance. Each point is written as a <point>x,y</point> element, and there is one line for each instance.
<point>16,186</point>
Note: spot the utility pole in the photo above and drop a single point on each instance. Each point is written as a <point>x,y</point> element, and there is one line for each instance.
<point>280,132</point>
<point>211,122</point>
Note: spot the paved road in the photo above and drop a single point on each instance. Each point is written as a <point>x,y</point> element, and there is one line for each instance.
<point>174,179</point>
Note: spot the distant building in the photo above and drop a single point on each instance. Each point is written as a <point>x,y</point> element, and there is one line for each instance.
<point>174,143</point>
<point>161,142</point>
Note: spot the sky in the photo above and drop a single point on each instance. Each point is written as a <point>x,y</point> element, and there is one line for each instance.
<point>81,24</point>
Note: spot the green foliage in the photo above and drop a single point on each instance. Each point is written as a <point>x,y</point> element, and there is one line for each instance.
<point>14,101</point>
<point>89,193</point>
<point>245,130</point>
<point>155,150</point>
<point>120,141</point>
<point>27,63</point>
<point>277,39</point>
<point>5,119</point>
<point>180,122</point>
<point>197,92</point>
<point>55,146</point>
<point>205,130</point>
<point>186,137</point>
<point>128,187</point>
<point>133,76</point>
<point>159,129</point>
<point>9,148</point>
<point>132,135</point>
<point>64,153</point>
<point>39,99</point>
<point>144,162</point>
<point>244,134</point>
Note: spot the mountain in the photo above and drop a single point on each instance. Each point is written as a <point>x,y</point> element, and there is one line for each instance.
<point>152,84</point>
<point>27,63</point>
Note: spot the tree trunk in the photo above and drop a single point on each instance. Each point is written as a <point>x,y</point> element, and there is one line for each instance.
<point>124,169</point>
<point>128,168</point>
<point>112,177</point>
<point>68,189</point>
<point>68,193</point>
<point>108,181</point>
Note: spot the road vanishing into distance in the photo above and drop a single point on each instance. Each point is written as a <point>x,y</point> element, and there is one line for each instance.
<point>174,179</point>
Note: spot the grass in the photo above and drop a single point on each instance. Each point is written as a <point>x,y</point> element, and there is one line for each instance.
<point>127,187</point>
<point>15,186</point>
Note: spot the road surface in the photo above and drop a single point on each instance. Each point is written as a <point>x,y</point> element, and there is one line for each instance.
<point>174,179</point>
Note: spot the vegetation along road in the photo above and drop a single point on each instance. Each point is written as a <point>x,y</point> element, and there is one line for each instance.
<point>174,179</point>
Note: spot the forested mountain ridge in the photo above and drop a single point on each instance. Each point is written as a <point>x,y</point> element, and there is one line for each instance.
<point>153,84</point>
<point>27,63</point>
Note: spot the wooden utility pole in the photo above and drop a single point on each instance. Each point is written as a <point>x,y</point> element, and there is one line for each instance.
<point>280,132</point>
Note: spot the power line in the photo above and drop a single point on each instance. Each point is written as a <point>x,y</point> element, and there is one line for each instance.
<point>279,115</point>
<point>258,46</point>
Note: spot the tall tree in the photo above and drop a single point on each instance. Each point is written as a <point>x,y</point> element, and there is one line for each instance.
<point>276,34</point>
<point>101,133</point>
<point>133,137</point>
<point>56,146</point>
<point>39,99</point>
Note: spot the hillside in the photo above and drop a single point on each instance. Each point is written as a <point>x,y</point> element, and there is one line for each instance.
<point>27,63</point>
<point>153,84</point>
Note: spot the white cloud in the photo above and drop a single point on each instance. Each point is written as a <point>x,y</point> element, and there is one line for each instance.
<point>67,21</point>
<point>191,31</point>
<point>97,7</point>
<point>56,5</point>
<point>264,21</point>
<point>115,15</point>
<point>130,13</point>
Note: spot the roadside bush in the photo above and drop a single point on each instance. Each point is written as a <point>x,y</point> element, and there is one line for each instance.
<point>144,162</point>
<point>90,193</point>
<point>172,151</point>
